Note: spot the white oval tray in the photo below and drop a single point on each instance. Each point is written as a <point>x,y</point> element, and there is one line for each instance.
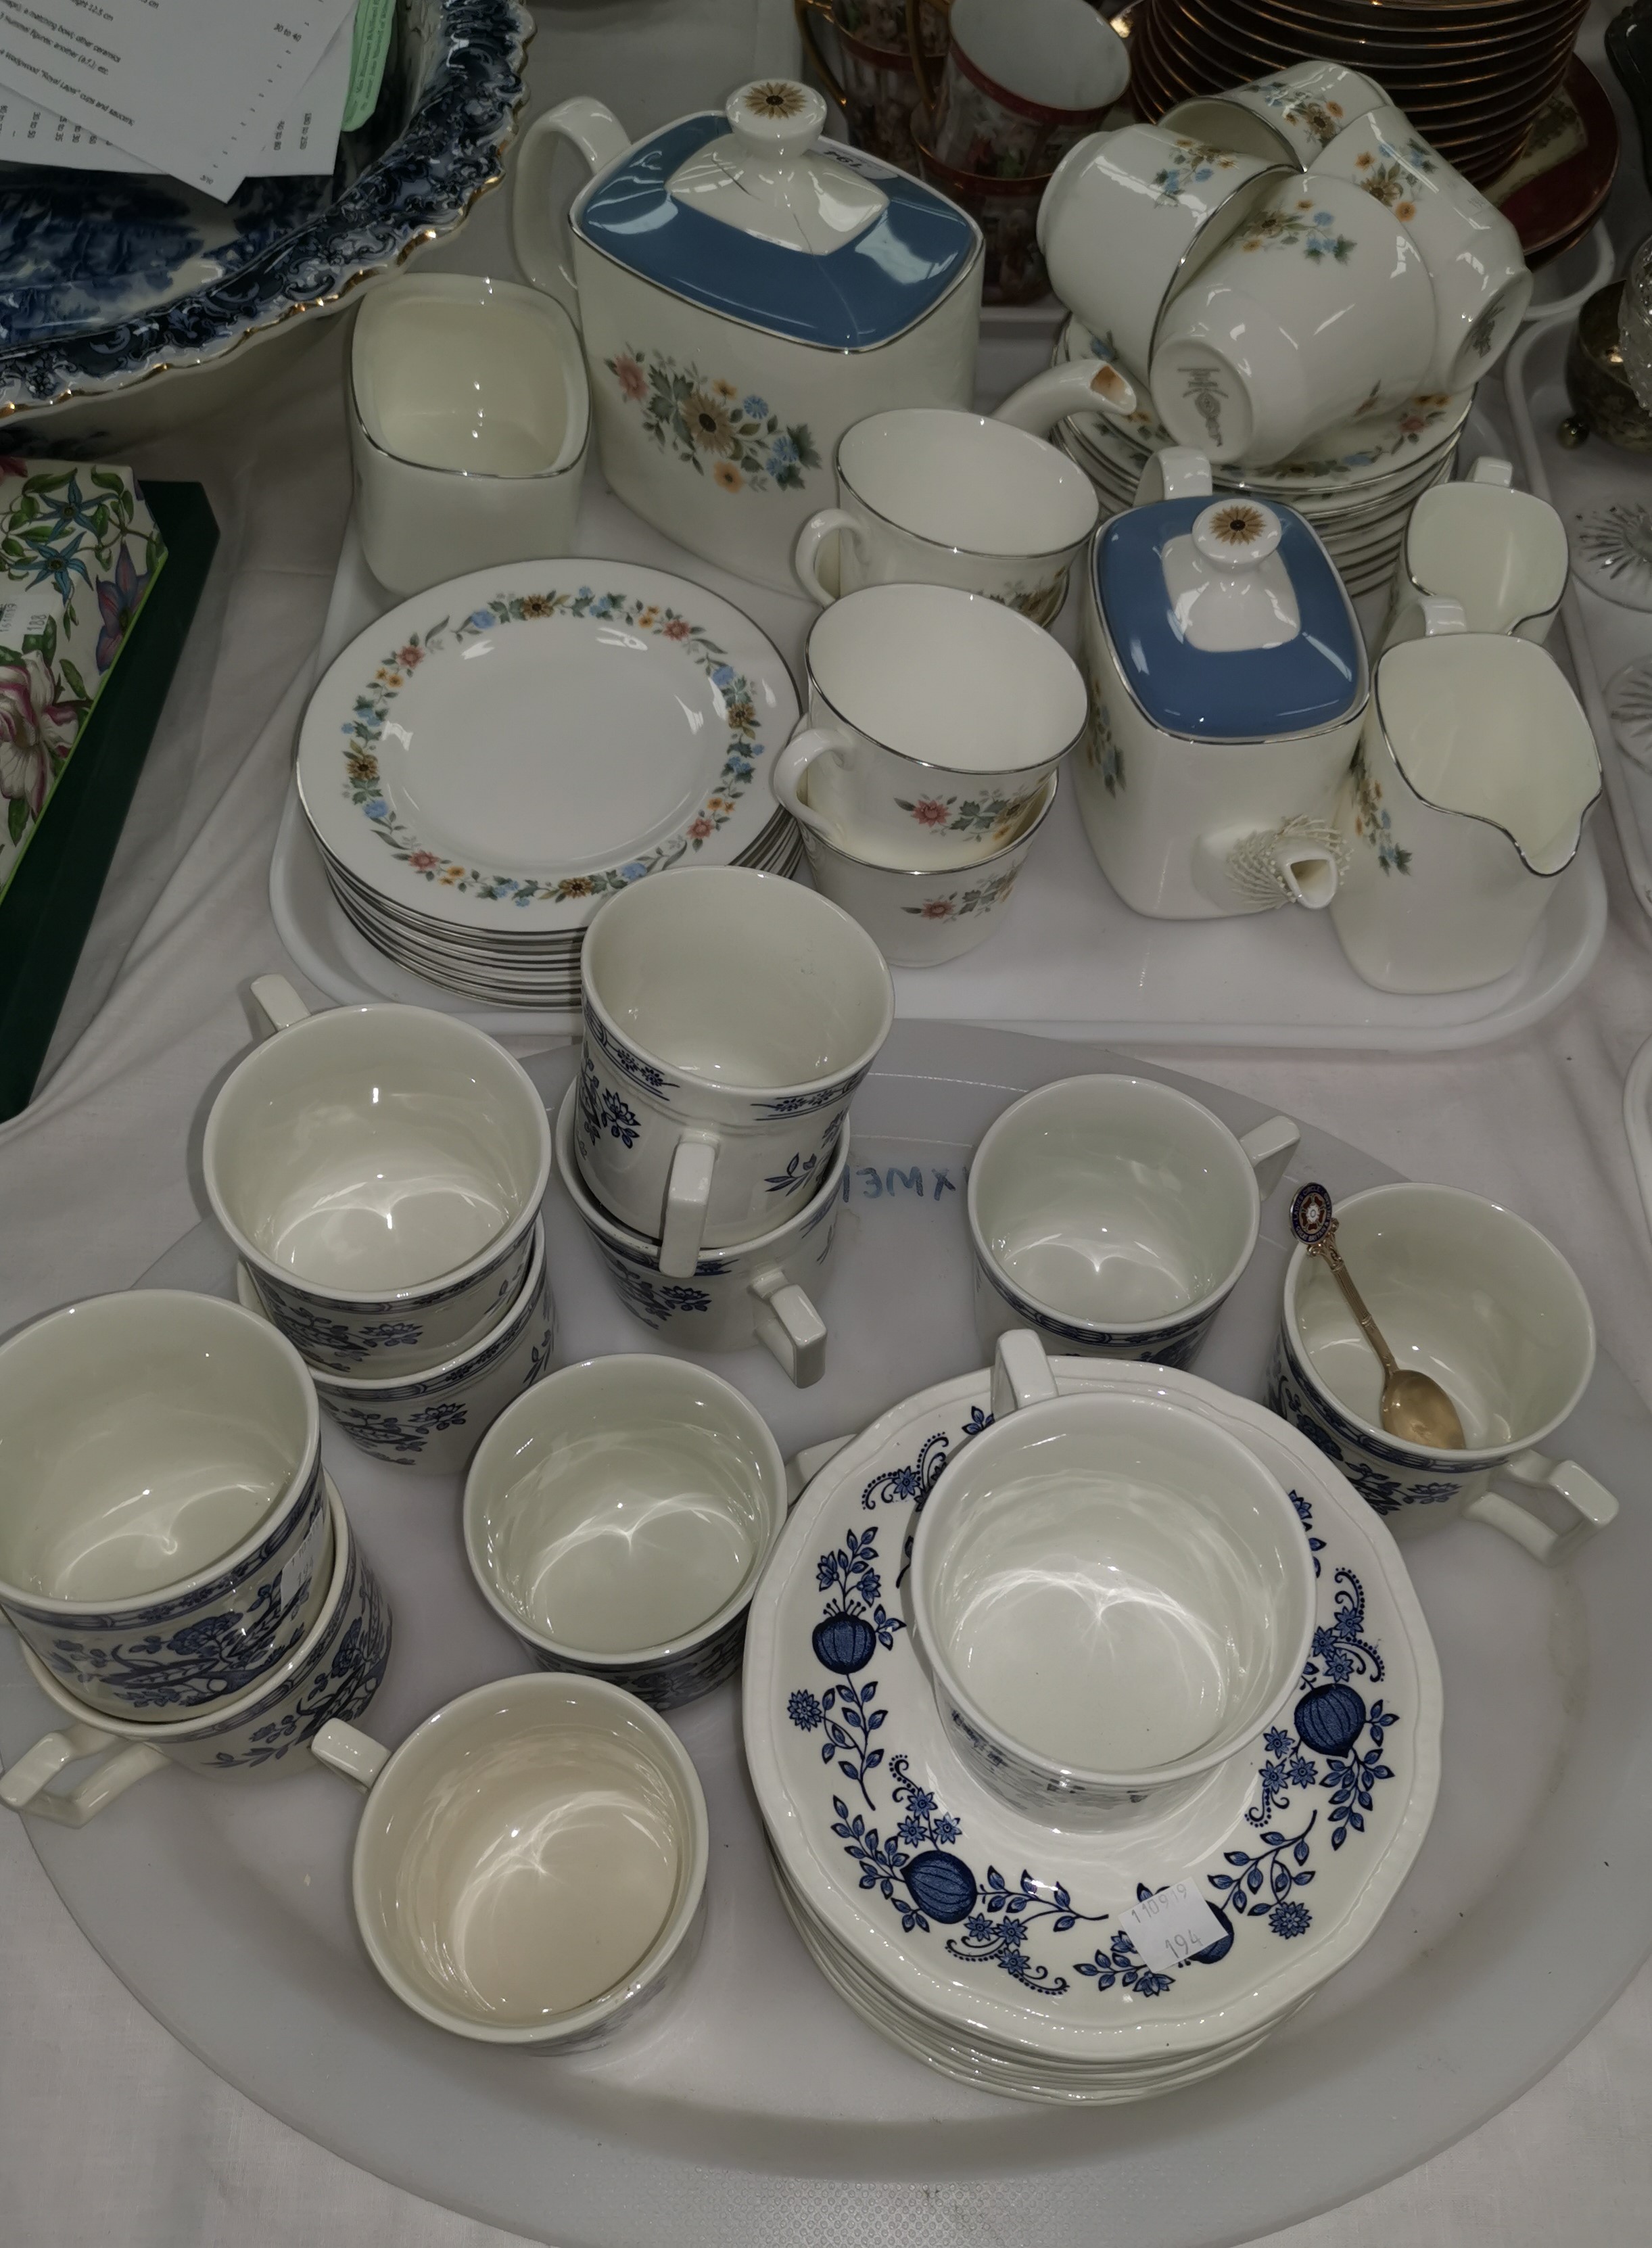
<point>758,2111</point>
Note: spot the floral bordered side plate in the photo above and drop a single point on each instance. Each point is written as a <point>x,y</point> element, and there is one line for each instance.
<point>988,1922</point>
<point>504,751</point>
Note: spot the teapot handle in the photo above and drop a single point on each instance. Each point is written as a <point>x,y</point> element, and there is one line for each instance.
<point>538,230</point>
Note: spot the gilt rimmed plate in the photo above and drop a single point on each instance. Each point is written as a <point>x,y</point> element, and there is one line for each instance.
<point>988,1923</point>
<point>503,752</point>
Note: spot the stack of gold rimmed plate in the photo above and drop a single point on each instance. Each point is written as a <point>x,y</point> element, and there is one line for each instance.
<point>1355,484</point>
<point>488,762</point>
<point>1471,75</point>
<point>1033,1957</point>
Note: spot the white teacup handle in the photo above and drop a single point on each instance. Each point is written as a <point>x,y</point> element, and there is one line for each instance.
<point>1021,1373</point>
<point>1488,470</point>
<point>278,1002</point>
<point>1270,1148</point>
<point>802,1466</point>
<point>1591,1503</point>
<point>538,230</point>
<point>344,1749</point>
<point>1176,472</point>
<point>789,1327</point>
<point>1427,617</point>
<point>24,1787</point>
<point>805,555</point>
<point>786,777</point>
<point>688,1197</point>
<point>1078,386</point>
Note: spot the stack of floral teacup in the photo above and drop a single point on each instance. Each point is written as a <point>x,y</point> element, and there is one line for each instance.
<point>729,1015</point>
<point>378,1172</point>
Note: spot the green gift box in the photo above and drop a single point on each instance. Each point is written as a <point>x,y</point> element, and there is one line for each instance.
<point>79,552</point>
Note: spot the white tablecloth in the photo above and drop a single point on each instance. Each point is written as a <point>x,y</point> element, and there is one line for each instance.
<point>110,2133</point>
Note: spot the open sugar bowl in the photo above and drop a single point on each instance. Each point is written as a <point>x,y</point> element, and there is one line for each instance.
<point>530,1864</point>
<point>617,1517</point>
<point>378,1171</point>
<point>1115,1216</point>
<point>1472,1296</point>
<point>1112,1594</point>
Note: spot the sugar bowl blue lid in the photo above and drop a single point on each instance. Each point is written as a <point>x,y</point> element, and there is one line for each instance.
<point>736,212</point>
<point>1212,672</point>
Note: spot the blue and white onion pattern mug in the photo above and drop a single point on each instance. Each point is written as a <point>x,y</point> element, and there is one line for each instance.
<point>164,1532</point>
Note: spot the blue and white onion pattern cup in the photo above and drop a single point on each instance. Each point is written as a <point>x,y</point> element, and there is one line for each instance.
<point>378,1171</point>
<point>164,1532</point>
<point>1065,1506</point>
<point>334,1672</point>
<point>756,1292</point>
<point>1114,1216</point>
<point>618,1516</point>
<point>453,1909</point>
<point>1473,1296</point>
<point>729,1015</point>
<point>431,1422</point>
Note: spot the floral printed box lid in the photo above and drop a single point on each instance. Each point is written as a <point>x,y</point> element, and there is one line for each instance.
<point>78,552</point>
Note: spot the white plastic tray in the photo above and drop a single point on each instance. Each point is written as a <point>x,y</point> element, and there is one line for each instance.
<point>1071,960</point>
<point>1602,635</point>
<point>758,2112</point>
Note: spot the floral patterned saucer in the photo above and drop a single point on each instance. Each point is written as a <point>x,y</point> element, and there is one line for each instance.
<point>500,753</point>
<point>980,1923</point>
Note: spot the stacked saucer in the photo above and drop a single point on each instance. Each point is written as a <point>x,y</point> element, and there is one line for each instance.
<point>1356,485</point>
<point>485,765</point>
<point>1132,1955</point>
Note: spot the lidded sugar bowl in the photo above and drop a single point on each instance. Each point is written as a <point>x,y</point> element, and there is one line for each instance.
<point>1227,681</point>
<point>745,296</point>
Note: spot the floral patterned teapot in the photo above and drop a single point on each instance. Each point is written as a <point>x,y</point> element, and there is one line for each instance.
<point>1228,682</point>
<point>745,295</point>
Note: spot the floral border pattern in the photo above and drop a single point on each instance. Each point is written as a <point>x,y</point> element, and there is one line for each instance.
<point>363,732</point>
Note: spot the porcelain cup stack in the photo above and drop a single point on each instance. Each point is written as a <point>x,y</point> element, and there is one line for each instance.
<point>173,1557</point>
<point>938,720</point>
<point>1310,293</point>
<point>378,1171</point>
<point>729,1017</point>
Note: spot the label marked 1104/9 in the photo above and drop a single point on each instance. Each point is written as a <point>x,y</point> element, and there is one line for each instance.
<point>1168,1928</point>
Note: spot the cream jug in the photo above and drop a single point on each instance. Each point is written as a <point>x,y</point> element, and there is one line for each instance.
<point>1227,682</point>
<point>1463,808</point>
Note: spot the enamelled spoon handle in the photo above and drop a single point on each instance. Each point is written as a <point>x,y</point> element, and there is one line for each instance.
<point>1315,1228</point>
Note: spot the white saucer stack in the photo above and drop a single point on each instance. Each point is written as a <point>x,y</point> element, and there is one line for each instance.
<point>486,763</point>
<point>1355,484</point>
<point>1018,1957</point>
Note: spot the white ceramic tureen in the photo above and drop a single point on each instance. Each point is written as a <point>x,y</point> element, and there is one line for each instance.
<point>745,296</point>
<point>1227,682</point>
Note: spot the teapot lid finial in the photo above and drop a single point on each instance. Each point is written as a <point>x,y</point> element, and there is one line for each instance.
<point>776,116</point>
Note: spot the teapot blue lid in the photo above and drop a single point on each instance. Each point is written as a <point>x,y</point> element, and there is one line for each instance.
<point>1310,681</point>
<point>853,297</point>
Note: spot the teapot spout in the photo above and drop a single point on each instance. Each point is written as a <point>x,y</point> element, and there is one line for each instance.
<point>1078,386</point>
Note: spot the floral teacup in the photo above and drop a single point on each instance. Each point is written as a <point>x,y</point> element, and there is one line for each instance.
<point>936,716</point>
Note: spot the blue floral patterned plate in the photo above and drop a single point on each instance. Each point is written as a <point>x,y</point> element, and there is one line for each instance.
<point>976,1918</point>
<point>106,279</point>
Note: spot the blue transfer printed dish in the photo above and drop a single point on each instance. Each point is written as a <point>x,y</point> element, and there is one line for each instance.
<point>854,298</point>
<point>1303,686</point>
<point>106,279</point>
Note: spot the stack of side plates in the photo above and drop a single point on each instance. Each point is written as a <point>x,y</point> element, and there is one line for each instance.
<point>485,765</point>
<point>1356,485</point>
<point>1010,1955</point>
